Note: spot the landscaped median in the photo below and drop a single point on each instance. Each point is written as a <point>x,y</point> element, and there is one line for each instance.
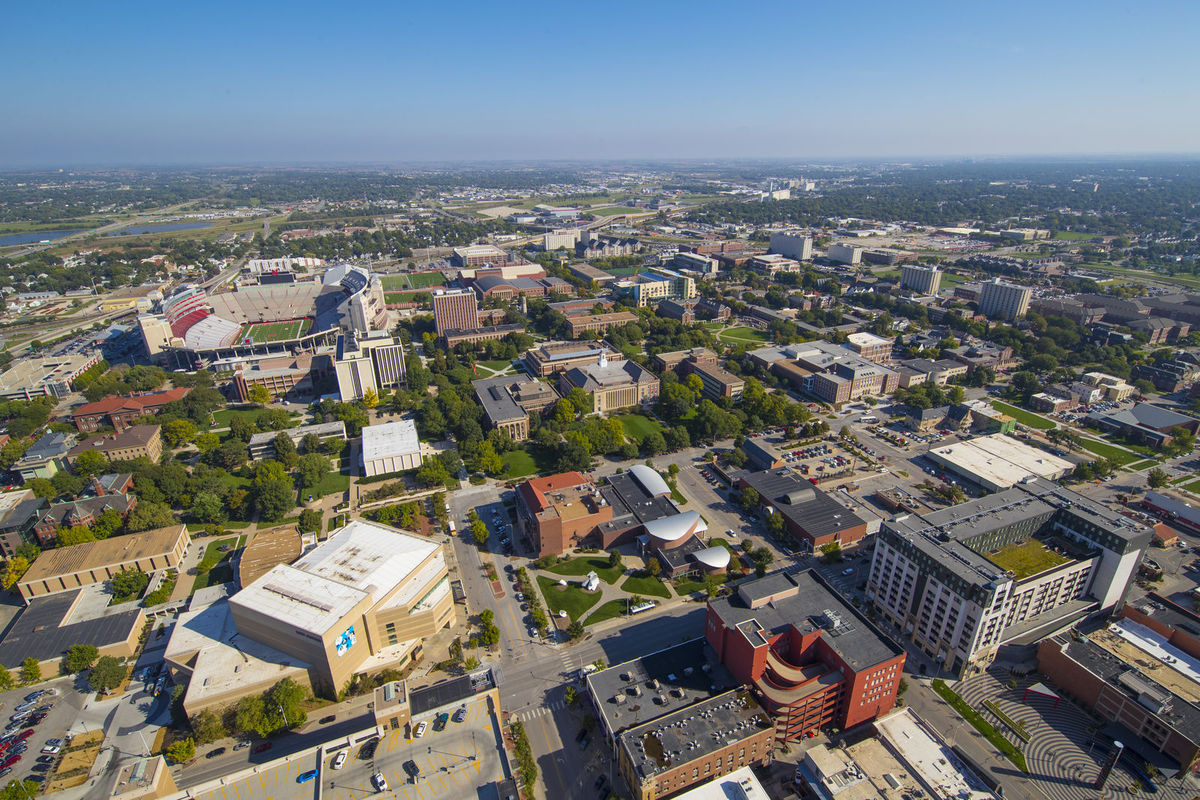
<point>982,725</point>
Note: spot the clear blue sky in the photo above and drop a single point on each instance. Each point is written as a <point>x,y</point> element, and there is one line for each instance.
<point>264,82</point>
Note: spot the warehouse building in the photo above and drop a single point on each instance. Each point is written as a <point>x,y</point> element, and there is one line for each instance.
<point>998,462</point>
<point>811,517</point>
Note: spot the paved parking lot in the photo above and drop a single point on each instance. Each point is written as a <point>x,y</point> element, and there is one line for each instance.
<point>66,705</point>
<point>460,761</point>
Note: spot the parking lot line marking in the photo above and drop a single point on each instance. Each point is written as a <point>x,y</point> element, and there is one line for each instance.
<point>399,780</point>
<point>417,788</point>
<point>223,793</point>
<point>237,791</point>
<point>450,772</point>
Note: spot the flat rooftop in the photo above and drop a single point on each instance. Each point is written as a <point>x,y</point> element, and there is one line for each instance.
<point>690,733</point>
<point>456,690</point>
<point>1000,460</point>
<point>802,600</point>
<point>924,752</point>
<point>49,625</point>
<point>268,549</point>
<point>104,552</point>
<point>389,439</point>
<point>741,784</point>
<point>1169,666</point>
<point>680,675</point>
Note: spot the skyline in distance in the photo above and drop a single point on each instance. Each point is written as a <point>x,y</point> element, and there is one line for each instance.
<point>303,83</point>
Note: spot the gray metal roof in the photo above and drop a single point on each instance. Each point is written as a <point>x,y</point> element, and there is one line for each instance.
<point>815,512</point>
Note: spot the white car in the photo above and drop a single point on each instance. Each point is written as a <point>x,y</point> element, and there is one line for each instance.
<point>420,731</point>
<point>339,760</point>
<point>379,782</point>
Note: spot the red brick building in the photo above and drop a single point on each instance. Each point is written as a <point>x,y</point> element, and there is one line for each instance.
<point>559,511</point>
<point>120,412</point>
<point>811,517</point>
<point>811,659</point>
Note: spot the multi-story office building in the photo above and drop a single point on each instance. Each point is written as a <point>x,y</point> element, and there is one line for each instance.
<point>613,386</point>
<point>871,347</point>
<point>831,372</point>
<point>655,285</point>
<point>1006,301</point>
<point>705,265</point>
<point>926,280</point>
<point>811,659</point>
<point>681,360</point>
<point>120,412</point>
<point>717,381</point>
<point>455,310</point>
<point>508,400</point>
<point>1008,568</point>
<point>138,441</point>
<point>792,245</point>
<point>479,255</point>
<point>375,362</point>
<point>773,263</point>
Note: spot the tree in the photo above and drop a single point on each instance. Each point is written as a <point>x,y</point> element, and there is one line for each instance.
<point>1157,478</point>
<point>433,473</point>
<point>41,487</point>
<point>286,696</point>
<point>479,532</point>
<point>832,552</point>
<point>653,566</point>
<point>107,674</point>
<point>31,671</point>
<point>575,630</point>
<point>14,568</point>
<point>749,499</point>
<point>370,399</point>
<point>775,524</point>
<point>311,469</point>
<point>181,750</point>
<point>240,429</point>
<point>258,394</point>
<point>147,516</point>
<point>178,432</point>
<point>90,462</point>
<point>207,442</point>
<point>207,507</point>
<point>274,499</point>
<point>6,679</point>
<point>129,583</point>
<point>80,657</point>
<point>614,558</point>
<point>310,521</point>
<point>285,451</point>
<point>1182,442</point>
<point>250,715</point>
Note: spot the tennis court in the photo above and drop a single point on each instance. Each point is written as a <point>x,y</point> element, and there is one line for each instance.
<point>259,332</point>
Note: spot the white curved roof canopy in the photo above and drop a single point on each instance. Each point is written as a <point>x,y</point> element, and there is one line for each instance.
<point>713,557</point>
<point>650,480</point>
<point>673,529</point>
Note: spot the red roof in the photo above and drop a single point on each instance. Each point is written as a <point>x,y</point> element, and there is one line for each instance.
<point>137,402</point>
<point>534,491</point>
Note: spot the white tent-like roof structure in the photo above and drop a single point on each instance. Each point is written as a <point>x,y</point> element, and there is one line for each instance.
<point>713,557</point>
<point>667,531</point>
<point>650,480</point>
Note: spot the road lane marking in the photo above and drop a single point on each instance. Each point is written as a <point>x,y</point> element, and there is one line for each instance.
<point>553,761</point>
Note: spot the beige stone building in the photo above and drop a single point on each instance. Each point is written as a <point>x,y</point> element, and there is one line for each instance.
<point>138,441</point>
<point>612,385</point>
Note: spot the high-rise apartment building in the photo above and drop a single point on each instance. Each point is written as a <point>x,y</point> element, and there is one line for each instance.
<point>926,280</point>
<point>455,310</point>
<point>1007,301</point>
<point>792,245</point>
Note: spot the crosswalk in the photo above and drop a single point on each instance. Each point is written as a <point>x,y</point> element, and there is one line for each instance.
<point>540,711</point>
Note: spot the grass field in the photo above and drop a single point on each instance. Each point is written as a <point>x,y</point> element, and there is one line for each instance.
<point>417,280</point>
<point>610,610</point>
<point>572,599</point>
<point>222,572</point>
<point>645,585</point>
<point>519,463</point>
<point>1193,487</point>
<point>638,427</point>
<point>1026,558</point>
<point>260,332</point>
<point>1117,455</point>
<point>1074,236</point>
<point>742,335</point>
<point>578,567</point>
<point>1024,417</point>
<point>333,483</point>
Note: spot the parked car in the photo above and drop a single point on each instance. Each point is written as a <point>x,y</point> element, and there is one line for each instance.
<point>305,777</point>
<point>339,759</point>
<point>263,747</point>
<point>215,753</point>
<point>379,782</point>
<point>420,731</point>
<point>439,723</point>
<point>460,714</point>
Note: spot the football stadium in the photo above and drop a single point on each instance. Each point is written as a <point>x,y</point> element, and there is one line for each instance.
<point>196,328</point>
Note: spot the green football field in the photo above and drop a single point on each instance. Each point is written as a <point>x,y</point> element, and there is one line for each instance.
<point>416,280</point>
<point>259,332</point>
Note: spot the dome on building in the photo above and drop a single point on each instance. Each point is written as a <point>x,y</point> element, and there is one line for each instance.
<point>672,530</point>
<point>713,557</point>
<point>650,480</point>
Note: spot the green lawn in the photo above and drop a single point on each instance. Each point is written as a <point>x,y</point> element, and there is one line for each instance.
<point>686,586</point>
<point>742,335</point>
<point>578,567</point>
<point>496,366</point>
<point>417,280</point>
<point>610,610</point>
<point>572,599</point>
<point>518,464</point>
<point>1026,558</point>
<point>223,571</point>
<point>638,427</point>
<point>1074,236</point>
<point>982,725</point>
<point>1024,417</point>
<point>333,483</point>
<point>1193,487</point>
<point>1117,455</point>
<point>645,585</point>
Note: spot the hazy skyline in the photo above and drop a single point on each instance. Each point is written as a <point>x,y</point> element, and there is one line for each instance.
<point>265,83</point>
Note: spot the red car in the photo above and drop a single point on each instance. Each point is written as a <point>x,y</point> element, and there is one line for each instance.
<point>262,748</point>
<point>8,762</point>
<point>25,734</point>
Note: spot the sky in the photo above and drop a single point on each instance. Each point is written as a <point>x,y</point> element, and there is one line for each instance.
<point>258,82</point>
